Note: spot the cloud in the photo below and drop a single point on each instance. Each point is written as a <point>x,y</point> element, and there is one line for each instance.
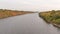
<point>15,1</point>
<point>30,4</point>
<point>25,2</point>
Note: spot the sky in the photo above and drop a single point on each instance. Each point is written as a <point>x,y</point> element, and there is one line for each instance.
<point>30,5</point>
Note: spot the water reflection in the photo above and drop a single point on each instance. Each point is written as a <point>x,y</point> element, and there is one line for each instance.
<point>26,24</point>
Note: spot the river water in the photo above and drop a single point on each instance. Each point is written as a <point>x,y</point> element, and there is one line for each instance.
<point>26,24</point>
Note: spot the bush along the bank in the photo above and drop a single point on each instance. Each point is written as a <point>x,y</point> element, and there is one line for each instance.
<point>51,17</point>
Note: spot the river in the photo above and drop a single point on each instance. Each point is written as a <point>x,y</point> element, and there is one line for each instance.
<point>26,24</point>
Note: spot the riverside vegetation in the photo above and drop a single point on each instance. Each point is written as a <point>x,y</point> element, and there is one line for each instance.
<point>4,13</point>
<point>52,17</point>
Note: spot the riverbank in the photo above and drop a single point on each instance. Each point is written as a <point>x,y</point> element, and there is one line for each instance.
<point>9,13</point>
<point>52,17</point>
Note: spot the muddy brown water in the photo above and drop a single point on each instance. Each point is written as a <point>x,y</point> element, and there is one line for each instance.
<point>26,24</point>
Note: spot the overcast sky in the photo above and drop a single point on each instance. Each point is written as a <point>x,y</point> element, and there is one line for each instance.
<point>32,5</point>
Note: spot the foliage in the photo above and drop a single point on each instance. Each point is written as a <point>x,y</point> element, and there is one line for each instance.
<point>52,16</point>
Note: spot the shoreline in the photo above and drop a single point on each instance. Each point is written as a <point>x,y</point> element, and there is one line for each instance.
<point>10,13</point>
<point>49,22</point>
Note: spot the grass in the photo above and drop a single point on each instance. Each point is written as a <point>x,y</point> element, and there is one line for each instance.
<point>9,13</point>
<point>51,16</point>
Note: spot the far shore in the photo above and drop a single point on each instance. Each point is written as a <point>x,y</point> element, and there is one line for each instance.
<point>10,13</point>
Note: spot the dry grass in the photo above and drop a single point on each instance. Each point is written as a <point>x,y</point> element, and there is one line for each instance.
<point>9,13</point>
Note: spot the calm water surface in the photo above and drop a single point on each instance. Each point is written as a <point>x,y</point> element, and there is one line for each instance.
<point>26,24</point>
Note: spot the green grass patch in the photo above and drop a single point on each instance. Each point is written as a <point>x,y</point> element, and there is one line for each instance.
<point>51,16</point>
